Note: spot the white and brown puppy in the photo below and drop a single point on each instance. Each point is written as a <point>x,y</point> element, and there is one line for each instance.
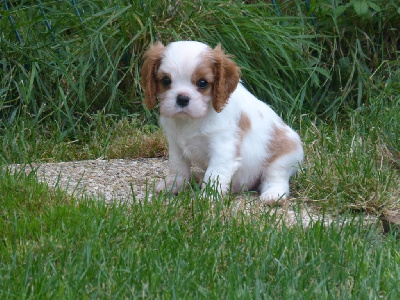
<point>212,121</point>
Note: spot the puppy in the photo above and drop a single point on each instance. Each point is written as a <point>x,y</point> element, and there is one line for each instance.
<point>212,121</point>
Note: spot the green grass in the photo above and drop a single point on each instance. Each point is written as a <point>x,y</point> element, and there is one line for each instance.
<point>107,136</point>
<point>353,164</point>
<point>72,92</point>
<point>56,247</point>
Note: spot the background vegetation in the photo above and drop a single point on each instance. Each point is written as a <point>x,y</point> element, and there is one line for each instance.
<point>69,89</point>
<point>69,68</point>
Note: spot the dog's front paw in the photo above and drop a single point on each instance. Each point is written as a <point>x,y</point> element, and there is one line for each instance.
<point>171,183</point>
<point>274,195</point>
<point>213,189</point>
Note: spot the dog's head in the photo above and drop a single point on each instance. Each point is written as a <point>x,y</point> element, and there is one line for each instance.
<point>186,77</point>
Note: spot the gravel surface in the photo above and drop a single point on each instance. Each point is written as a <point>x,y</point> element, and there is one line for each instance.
<point>116,179</point>
<point>111,179</point>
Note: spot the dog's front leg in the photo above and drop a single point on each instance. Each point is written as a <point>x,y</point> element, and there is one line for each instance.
<point>179,172</point>
<point>224,161</point>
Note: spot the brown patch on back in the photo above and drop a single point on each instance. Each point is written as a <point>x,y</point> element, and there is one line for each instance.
<point>244,127</point>
<point>244,122</point>
<point>280,144</point>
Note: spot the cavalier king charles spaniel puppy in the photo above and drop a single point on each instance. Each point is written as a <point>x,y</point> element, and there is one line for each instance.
<point>212,121</point>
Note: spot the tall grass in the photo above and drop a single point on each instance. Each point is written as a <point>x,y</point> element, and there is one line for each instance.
<point>89,64</point>
<point>360,51</point>
<point>73,70</point>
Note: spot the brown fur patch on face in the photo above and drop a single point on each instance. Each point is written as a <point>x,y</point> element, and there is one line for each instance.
<point>279,145</point>
<point>244,127</point>
<point>153,57</point>
<point>204,71</point>
<point>160,87</point>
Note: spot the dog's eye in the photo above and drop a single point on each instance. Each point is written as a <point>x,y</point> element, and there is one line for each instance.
<point>166,81</point>
<point>202,83</point>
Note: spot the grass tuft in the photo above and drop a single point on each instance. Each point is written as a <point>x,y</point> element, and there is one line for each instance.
<point>128,141</point>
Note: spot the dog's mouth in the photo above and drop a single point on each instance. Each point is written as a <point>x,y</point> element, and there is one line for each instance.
<point>183,114</point>
<point>176,112</point>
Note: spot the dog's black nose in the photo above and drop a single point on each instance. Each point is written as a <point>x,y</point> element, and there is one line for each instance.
<point>182,100</point>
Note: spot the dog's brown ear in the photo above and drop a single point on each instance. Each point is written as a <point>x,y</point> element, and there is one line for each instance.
<point>227,74</point>
<point>152,59</point>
